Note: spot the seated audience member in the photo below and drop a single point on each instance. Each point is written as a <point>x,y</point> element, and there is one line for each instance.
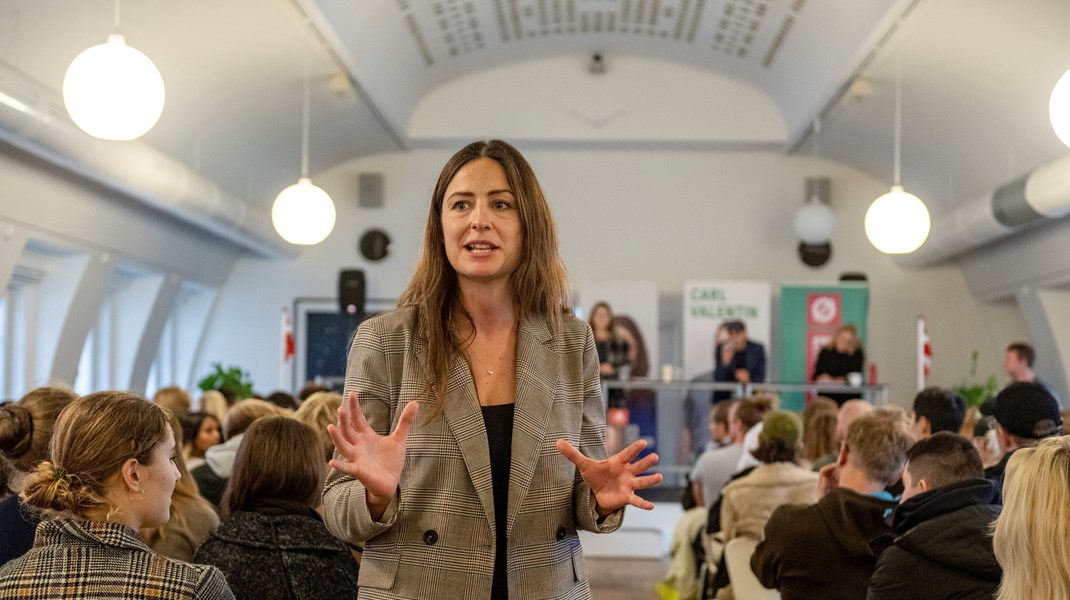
<point>778,480</point>
<point>192,517</point>
<point>681,580</point>
<point>713,467</point>
<point>200,431</point>
<point>849,411</point>
<point>311,388</point>
<point>25,432</point>
<point>272,543</point>
<point>109,475</point>
<point>822,550</point>
<point>282,400</point>
<point>175,400</point>
<point>937,409</point>
<point>765,402</point>
<point>943,544</point>
<point>1025,413</point>
<point>1031,540</point>
<point>319,411</point>
<point>820,418</point>
<point>211,477</point>
<point>214,403</point>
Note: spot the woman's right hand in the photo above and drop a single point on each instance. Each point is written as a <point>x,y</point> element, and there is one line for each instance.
<point>374,460</point>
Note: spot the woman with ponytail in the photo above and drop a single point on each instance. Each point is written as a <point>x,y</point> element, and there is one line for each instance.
<point>110,473</point>
<point>25,431</point>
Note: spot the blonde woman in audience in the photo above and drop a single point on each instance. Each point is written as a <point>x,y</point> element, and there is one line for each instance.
<point>318,411</point>
<point>192,517</point>
<point>110,474</point>
<point>1032,534</point>
<point>214,403</point>
<point>25,431</point>
<point>175,400</point>
<point>200,431</point>
<point>819,430</point>
<point>272,543</point>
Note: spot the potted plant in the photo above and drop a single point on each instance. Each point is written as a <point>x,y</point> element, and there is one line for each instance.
<point>231,381</point>
<point>975,394</point>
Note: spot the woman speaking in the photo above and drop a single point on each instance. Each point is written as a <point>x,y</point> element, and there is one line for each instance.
<point>472,445</point>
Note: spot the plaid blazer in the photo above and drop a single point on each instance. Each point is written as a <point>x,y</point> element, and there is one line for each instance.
<point>436,539</point>
<point>91,560</point>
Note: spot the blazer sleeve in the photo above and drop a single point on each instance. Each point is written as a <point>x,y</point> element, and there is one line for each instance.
<point>345,506</point>
<point>757,373</point>
<point>592,445</point>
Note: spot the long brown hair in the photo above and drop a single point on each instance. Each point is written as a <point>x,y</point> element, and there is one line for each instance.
<point>539,283</point>
<point>279,458</point>
<point>93,437</point>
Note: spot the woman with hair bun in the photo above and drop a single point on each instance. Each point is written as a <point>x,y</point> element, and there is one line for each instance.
<point>25,431</point>
<point>110,474</point>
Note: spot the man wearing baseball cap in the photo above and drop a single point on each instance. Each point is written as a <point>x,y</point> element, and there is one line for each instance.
<point>1025,413</point>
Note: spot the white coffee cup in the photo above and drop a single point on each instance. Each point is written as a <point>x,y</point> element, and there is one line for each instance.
<point>854,379</point>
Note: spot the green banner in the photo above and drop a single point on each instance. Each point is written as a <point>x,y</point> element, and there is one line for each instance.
<point>809,316</point>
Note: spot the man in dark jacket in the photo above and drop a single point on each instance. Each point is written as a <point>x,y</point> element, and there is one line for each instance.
<point>943,547</point>
<point>822,550</point>
<point>1026,413</point>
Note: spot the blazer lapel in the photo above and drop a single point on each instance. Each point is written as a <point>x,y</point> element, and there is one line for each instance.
<point>537,370</point>
<point>465,421</point>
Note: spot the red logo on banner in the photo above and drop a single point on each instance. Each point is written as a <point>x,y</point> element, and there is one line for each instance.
<point>822,318</point>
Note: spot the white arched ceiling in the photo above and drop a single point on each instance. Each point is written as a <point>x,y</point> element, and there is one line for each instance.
<point>636,99</point>
<point>798,52</point>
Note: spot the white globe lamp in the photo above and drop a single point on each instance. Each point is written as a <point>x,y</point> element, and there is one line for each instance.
<point>1059,108</point>
<point>897,222</point>
<point>303,213</point>
<point>815,222</point>
<point>113,91</point>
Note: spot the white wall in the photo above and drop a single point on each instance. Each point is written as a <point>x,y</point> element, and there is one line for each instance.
<point>660,216</point>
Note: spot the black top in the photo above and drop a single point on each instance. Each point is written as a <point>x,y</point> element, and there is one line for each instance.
<point>18,523</point>
<point>499,423</point>
<point>834,363</point>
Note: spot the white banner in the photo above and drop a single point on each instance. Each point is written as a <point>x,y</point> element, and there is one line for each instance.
<point>708,303</point>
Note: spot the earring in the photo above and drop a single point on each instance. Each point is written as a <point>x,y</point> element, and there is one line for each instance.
<point>139,498</point>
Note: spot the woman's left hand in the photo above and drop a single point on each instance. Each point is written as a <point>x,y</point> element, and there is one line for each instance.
<point>615,479</point>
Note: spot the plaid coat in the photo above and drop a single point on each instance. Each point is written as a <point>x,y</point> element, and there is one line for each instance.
<point>90,560</point>
<point>436,539</point>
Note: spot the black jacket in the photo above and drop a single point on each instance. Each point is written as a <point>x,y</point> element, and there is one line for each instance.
<point>280,556</point>
<point>943,547</point>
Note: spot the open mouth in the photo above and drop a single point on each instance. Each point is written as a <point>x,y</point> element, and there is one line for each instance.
<point>480,247</point>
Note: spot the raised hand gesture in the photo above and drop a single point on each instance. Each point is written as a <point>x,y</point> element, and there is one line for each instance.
<point>615,479</point>
<point>374,460</point>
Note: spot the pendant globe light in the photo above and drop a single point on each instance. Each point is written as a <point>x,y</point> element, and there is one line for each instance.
<point>113,91</point>
<point>897,222</point>
<point>303,213</point>
<point>1059,108</point>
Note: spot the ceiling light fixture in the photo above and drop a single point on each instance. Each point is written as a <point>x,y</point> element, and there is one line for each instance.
<point>1059,108</point>
<point>303,213</point>
<point>897,222</point>
<point>113,91</point>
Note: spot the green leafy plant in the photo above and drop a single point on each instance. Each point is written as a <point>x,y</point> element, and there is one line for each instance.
<point>231,381</point>
<point>975,394</point>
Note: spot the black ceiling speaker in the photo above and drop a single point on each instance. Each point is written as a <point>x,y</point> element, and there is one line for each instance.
<point>815,255</point>
<point>351,291</point>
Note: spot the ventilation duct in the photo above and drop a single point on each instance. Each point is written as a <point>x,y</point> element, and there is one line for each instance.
<point>32,119</point>
<point>1041,195</point>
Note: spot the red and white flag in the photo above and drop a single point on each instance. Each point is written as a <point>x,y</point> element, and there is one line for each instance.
<point>925,353</point>
<point>287,349</point>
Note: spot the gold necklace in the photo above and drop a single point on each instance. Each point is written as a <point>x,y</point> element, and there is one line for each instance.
<point>500,356</point>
